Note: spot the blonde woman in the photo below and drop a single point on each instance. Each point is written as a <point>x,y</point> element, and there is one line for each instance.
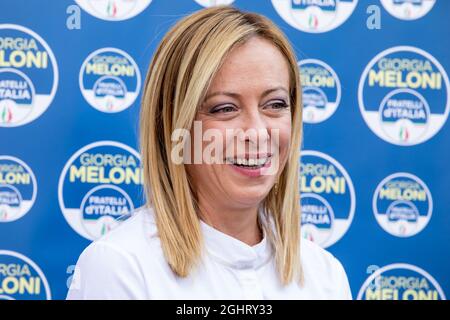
<point>223,216</point>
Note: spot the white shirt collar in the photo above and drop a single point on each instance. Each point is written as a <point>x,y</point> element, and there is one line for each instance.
<point>233,252</point>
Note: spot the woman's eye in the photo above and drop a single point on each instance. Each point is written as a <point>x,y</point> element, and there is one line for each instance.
<point>223,109</point>
<point>278,105</point>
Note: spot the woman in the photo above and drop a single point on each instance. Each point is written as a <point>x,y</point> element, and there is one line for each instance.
<point>223,217</point>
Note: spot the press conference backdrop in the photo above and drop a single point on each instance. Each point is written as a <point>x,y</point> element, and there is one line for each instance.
<point>375,187</point>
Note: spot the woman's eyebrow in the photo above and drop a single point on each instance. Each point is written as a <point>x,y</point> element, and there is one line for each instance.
<point>237,95</point>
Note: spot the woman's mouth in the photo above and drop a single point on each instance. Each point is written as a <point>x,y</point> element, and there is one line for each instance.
<point>250,166</point>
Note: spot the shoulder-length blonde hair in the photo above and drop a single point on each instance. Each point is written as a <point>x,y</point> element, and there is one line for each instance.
<point>178,78</point>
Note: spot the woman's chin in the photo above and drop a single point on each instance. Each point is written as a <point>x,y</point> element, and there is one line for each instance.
<point>249,195</point>
<point>246,189</point>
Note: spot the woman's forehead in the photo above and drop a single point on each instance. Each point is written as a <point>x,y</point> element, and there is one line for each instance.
<point>255,64</point>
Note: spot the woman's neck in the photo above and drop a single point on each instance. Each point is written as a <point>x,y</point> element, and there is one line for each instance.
<point>239,223</point>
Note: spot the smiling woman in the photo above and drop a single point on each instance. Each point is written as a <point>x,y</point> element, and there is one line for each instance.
<point>227,225</point>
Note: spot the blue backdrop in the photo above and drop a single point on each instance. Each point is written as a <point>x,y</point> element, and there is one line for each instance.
<point>375,180</point>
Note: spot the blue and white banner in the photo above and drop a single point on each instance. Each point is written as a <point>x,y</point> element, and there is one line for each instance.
<point>374,177</point>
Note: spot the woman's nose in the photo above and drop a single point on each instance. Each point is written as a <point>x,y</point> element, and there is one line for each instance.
<point>255,127</point>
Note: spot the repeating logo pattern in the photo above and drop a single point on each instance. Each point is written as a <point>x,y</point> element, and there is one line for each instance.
<point>18,188</point>
<point>99,187</point>
<point>408,9</point>
<point>114,10</point>
<point>321,90</point>
<point>110,80</point>
<point>402,204</point>
<point>21,278</point>
<point>315,16</point>
<point>327,198</point>
<point>403,95</point>
<point>210,3</point>
<point>373,174</point>
<point>28,75</point>
<point>401,281</point>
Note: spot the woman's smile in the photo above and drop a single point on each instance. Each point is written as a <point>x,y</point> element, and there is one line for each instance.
<point>250,165</point>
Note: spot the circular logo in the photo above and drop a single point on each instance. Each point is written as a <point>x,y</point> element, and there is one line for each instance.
<point>327,198</point>
<point>400,281</point>
<point>95,186</point>
<point>211,3</point>
<point>407,9</point>
<point>18,188</point>
<point>113,10</point>
<point>403,95</point>
<point>21,278</point>
<point>315,16</point>
<point>28,75</point>
<point>110,80</point>
<point>402,204</point>
<point>321,90</point>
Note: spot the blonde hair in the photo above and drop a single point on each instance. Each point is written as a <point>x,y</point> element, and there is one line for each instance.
<point>178,78</point>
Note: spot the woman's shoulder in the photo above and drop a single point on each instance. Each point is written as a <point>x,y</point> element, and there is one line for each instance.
<point>116,260</point>
<point>135,231</point>
<point>315,255</point>
<point>133,237</point>
<point>130,242</point>
<point>322,266</point>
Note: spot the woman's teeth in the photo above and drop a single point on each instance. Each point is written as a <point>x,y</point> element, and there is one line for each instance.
<point>253,163</point>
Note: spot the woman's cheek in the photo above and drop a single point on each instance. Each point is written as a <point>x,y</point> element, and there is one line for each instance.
<point>285,140</point>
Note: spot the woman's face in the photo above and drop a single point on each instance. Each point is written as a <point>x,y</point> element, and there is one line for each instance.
<point>250,95</point>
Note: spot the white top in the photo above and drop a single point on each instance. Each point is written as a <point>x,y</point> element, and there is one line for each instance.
<point>128,263</point>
